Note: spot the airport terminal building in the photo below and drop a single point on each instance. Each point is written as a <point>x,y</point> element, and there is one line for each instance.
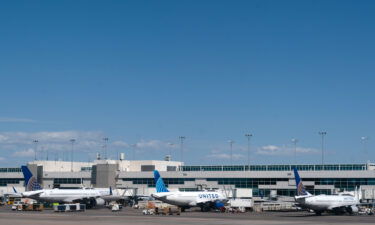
<point>254,181</point>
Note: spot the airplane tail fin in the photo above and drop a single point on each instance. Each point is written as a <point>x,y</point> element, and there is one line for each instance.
<point>110,190</point>
<point>301,190</point>
<point>159,183</point>
<point>31,182</point>
<point>14,189</point>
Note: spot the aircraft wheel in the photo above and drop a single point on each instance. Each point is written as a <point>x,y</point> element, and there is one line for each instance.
<point>205,209</point>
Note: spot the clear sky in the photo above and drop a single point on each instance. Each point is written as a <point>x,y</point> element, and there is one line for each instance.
<point>146,72</point>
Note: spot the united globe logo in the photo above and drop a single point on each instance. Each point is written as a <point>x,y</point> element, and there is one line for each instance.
<point>301,189</point>
<point>33,185</point>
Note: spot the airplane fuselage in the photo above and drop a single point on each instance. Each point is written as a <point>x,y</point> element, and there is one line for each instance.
<point>70,195</point>
<point>326,202</point>
<point>188,199</point>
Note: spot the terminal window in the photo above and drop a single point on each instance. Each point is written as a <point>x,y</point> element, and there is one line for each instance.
<point>147,167</point>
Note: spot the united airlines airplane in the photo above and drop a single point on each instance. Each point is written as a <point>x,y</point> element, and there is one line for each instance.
<point>90,197</point>
<point>323,203</point>
<point>206,200</point>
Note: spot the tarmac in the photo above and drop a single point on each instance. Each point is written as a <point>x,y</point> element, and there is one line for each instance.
<point>133,216</point>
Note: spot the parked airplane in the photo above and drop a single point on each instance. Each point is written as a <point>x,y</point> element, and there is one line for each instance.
<point>206,200</point>
<point>90,197</point>
<point>322,203</point>
<point>5,195</point>
<point>14,193</point>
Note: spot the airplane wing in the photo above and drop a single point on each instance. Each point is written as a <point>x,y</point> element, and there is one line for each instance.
<point>164,196</point>
<point>202,201</point>
<point>77,199</point>
<point>212,203</point>
<point>198,201</point>
<point>332,207</point>
<point>337,206</point>
<point>33,194</point>
<point>73,199</point>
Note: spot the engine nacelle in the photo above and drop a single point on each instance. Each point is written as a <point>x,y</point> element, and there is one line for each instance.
<point>218,204</point>
<point>354,209</point>
<point>99,201</point>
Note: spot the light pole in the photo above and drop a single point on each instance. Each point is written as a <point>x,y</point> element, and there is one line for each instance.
<point>36,148</point>
<point>231,151</point>
<point>248,136</point>
<point>182,138</point>
<point>71,153</point>
<point>170,149</point>
<point>364,140</point>
<point>294,141</point>
<point>105,147</point>
<point>322,133</point>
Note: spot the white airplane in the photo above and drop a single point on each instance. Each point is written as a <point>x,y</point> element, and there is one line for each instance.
<point>206,200</point>
<point>325,203</point>
<point>14,193</point>
<point>90,197</point>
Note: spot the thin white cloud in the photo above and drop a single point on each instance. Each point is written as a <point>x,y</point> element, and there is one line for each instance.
<point>120,144</point>
<point>283,150</point>
<point>54,141</point>
<point>225,156</point>
<point>154,144</point>
<point>307,150</point>
<point>270,150</point>
<point>59,142</point>
<point>217,153</point>
<point>26,153</point>
<point>16,120</point>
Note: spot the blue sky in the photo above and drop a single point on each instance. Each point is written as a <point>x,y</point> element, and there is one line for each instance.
<point>146,72</point>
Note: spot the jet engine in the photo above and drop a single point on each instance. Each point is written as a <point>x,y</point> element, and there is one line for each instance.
<point>218,204</point>
<point>92,202</point>
<point>99,201</point>
<point>207,206</point>
<point>352,209</point>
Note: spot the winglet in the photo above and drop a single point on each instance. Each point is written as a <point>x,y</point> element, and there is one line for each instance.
<point>159,183</point>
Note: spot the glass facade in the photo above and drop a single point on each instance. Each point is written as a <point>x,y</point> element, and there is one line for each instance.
<point>188,189</point>
<point>247,182</point>
<point>84,169</point>
<point>338,167</point>
<point>93,175</point>
<point>347,184</point>
<point>5,181</point>
<point>292,192</point>
<point>10,170</point>
<point>151,183</point>
<point>67,181</point>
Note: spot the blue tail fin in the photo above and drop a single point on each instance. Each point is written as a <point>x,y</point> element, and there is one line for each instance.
<point>301,190</point>
<point>110,190</point>
<point>31,182</point>
<point>159,183</point>
<point>14,189</point>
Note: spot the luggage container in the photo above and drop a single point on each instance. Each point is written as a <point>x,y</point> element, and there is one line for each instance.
<point>69,207</point>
